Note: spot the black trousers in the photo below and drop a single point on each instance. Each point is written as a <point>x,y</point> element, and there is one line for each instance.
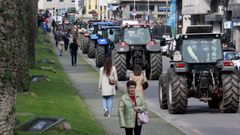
<point>137,129</point>
<point>66,44</point>
<point>74,58</point>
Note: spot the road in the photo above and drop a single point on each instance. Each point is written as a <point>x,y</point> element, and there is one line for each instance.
<point>199,119</point>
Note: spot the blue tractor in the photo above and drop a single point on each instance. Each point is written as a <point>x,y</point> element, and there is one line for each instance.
<point>108,35</point>
<point>95,36</point>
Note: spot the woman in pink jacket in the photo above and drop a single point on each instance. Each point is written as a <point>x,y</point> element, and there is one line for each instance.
<point>107,85</point>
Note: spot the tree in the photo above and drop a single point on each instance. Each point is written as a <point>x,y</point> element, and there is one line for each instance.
<point>17,34</point>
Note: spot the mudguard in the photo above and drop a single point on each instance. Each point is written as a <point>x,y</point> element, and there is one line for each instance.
<point>93,36</point>
<point>102,42</point>
<point>121,48</point>
<point>153,48</point>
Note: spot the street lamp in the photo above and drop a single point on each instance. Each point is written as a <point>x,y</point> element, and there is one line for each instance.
<point>148,12</point>
<point>166,10</point>
<point>134,9</point>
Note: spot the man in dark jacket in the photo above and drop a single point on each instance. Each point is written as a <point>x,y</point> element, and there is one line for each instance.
<point>73,50</point>
<point>66,40</point>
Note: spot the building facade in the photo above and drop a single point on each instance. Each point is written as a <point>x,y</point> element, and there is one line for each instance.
<point>193,12</point>
<point>92,8</point>
<point>56,7</point>
<point>103,9</point>
<point>145,9</point>
<point>234,14</point>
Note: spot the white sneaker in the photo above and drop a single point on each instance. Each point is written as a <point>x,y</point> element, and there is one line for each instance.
<point>106,113</point>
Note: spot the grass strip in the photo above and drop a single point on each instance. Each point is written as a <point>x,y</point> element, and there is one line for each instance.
<point>54,98</point>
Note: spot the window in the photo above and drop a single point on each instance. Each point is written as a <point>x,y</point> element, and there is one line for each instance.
<point>89,4</point>
<point>49,0</point>
<point>61,0</point>
<point>132,35</point>
<point>201,50</point>
<point>100,8</point>
<point>73,0</point>
<point>95,4</point>
<point>104,8</point>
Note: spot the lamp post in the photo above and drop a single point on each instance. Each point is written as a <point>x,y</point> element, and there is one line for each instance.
<point>166,10</point>
<point>148,12</point>
<point>134,9</point>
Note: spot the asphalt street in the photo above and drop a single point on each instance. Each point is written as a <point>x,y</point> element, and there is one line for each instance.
<point>199,119</point>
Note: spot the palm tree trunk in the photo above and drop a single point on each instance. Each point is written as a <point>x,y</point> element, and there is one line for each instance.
<point>8,65</point>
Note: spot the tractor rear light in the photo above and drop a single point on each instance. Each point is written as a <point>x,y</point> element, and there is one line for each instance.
<point>123,44</point>
<point>151,43</point>
<point>228,63</point>
<point>180,65</point>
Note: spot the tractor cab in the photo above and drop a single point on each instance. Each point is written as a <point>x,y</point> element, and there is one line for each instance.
<point>200,47</point>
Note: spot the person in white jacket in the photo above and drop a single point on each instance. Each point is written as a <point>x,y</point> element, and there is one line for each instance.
<point>108,84</point>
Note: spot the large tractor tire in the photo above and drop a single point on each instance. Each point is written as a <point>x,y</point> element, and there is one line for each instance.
<point>177,92</point>
<point>81,41</point>
<point>91,50</point>
<point>100,55</point>
<point>230,88</point>
<point>85,45</point>
<point>121,65</point>
<point>155,65</point>
<point>162,91</point>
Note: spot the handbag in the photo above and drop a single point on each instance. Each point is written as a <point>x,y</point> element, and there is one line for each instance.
<point>143,117</point>
<point>110,81</point>
<point>145,85</point>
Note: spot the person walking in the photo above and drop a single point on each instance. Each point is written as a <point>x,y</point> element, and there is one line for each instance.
<point>73,50</point>
<point>108,84</point>
<point>53,25</point>
<point>130,105</point>
<point>139,77</point>
<point>60,46</point>
<point>66,40</point>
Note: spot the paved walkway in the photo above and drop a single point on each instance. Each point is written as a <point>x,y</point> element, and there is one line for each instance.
<point>85,79</point>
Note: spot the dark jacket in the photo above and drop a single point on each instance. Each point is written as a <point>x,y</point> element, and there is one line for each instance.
<point>73,47</point>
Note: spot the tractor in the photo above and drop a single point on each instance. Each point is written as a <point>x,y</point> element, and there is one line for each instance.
<point>108,35</point>
<point>198,70</point>
<point>94,37</point>
<point>136,46</point>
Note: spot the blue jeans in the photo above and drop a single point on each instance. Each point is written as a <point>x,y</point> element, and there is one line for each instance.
<point>107,103</point>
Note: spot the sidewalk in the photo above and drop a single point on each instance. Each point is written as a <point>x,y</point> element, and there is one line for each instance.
<point>85,79</point>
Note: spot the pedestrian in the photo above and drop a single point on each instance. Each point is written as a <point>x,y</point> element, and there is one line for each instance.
<point>60,46</point>
<point>73,50</point>
<point>139,77</point>
<point>66,40</point>
<point>130,105</point>
<point>57,35</point>
<point>108,84</point>
<point>76,35</point>
<point>53,25</point>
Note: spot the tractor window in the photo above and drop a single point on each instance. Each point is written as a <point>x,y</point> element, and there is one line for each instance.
<point>137,36</point>
<point>201,50</point>
<point>114,34</point>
